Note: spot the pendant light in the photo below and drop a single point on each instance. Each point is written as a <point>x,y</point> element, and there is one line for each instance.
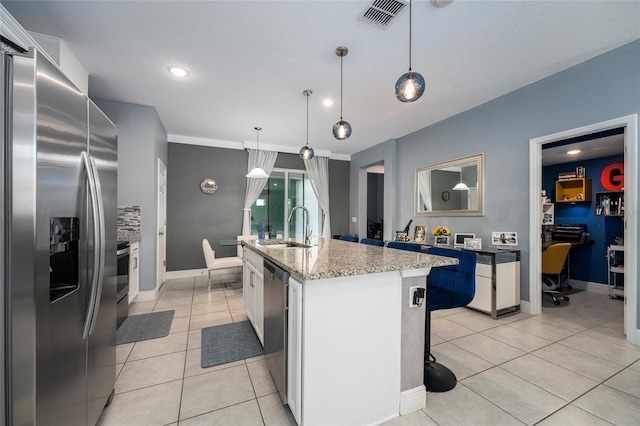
<point>257,172</point>
<point>342,129</point>
<point>410,86</point>
<point>306,152</point>
<point>461,186</point>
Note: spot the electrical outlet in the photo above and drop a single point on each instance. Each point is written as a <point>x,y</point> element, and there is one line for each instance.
<point>353,219</point>
<point>412,291</point>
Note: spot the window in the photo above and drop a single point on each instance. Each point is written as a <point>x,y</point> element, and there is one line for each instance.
<point>284,190</point>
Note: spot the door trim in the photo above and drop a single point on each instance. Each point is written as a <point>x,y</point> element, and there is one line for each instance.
<point>629,123</point>
<point>161,243</point>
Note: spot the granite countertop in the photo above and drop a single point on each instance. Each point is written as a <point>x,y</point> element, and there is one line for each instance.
<point>329,258</point>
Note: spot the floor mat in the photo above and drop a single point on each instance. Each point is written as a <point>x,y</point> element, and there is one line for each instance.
<point>228,343</point>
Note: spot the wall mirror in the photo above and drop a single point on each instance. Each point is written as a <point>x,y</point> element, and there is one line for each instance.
<point>452,188</point>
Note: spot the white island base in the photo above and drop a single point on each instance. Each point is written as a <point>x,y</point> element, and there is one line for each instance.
<point>355,348</point>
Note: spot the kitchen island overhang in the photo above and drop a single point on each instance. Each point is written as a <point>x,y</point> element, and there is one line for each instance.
<point>359,351</point>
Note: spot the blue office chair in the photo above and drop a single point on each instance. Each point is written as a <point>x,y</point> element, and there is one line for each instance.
<point>372,242</point>
<point>447,287</point>
<point>405,246</point>
<point>350,238</point>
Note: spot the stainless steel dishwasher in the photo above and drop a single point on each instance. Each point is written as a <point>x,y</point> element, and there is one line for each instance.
<point>276,283</point>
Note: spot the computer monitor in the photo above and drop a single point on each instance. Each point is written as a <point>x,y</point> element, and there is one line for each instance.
<point>458,239</point>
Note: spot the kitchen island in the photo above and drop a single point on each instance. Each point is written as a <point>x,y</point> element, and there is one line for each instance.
<point>355,348</point>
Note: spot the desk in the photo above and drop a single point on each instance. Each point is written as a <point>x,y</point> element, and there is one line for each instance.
<point>497,282</point>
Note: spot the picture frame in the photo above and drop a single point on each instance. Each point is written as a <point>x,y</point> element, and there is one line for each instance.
<point>580,171</point>
<point>419,233</point>
<point>459,237</point>
<point>504,238</point>
<point>473,243</point>
<point>441,240</point>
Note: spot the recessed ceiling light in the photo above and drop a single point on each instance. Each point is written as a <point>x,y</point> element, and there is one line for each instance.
<point>179,72</point>
<point>327,102</point>
<point>573,152</point>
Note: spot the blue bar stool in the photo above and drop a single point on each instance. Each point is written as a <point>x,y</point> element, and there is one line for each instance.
<point>447,287</point>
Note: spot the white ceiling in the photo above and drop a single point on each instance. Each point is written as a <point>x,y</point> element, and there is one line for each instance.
<point>594,148</point>
<point>250,60</point>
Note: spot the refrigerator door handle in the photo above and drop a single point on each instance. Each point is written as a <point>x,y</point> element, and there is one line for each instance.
<point>96,251</point>
<point>102,246</point>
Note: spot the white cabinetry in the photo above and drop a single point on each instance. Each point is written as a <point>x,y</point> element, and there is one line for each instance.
<point>497,282</point>
<point>134,270</point>
<point>294,350</point>
<point>253,290</point>
<point>615,278</point>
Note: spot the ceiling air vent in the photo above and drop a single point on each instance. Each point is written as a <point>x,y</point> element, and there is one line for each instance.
<point>382,13</point>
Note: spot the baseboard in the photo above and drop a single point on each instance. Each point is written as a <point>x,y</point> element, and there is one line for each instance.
<point>590,286</point>
<point>413,400</point>
<point>186,273</point>
<point>635,339</point>
<point>145,296</point>
<point>525,307</point>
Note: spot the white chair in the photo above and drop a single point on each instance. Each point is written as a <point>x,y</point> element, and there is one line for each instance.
<point>214,264</point>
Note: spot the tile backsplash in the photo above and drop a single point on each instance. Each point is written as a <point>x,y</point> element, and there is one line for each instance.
<point>129,223</point>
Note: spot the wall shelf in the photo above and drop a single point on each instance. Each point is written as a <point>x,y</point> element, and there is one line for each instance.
<point>573,190</point>
<point>609,203</point>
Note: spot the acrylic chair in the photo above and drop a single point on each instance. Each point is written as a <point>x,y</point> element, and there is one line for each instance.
<point>447,287</point>
<point>214,264</point>
<point>372,242</point>
<point>553,259</point>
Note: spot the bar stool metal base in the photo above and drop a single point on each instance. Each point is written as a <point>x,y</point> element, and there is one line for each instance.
<point>438,378</point>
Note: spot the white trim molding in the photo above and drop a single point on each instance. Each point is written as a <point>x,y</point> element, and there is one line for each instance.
<point>630,125</point>
<point>186,273</point>
<point>413,400</point>
<point>145,296</point>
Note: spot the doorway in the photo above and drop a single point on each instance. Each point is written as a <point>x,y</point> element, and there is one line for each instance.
<point>375,201</point>
<point>161,261</point>
<point>629,124</point>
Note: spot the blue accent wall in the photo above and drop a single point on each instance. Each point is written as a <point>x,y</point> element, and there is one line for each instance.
<point>588,263</point>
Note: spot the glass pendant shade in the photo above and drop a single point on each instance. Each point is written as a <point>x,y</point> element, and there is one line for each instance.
<point>257,173</point>
<point>341,130</point>
<point>306,152</point>
<point>461,186</point>
<point>410,87</point>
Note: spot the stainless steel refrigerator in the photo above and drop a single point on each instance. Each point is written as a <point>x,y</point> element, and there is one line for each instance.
<point>58,246</point>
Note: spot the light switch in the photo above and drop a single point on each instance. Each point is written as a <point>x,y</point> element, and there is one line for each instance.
<point>353,219</point>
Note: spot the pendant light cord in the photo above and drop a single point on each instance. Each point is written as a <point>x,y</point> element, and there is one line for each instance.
<point>410,3</point>
<point>307,95</point>
<point>341,87</point>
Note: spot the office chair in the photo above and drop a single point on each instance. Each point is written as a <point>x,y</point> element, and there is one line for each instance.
<point>350,238</point>
<point>372,242</point>
<point>447,287</point>
<point>553,259</point>
<point>404,246</point>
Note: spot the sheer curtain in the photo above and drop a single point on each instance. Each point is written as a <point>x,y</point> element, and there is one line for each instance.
<point>265,160</point>
<point>424,185</point>
<point>318,170</point>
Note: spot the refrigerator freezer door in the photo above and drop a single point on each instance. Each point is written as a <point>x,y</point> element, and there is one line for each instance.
<point>101,356</point>
<point>61,389</point>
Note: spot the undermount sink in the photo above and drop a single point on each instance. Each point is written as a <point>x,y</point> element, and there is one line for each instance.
<point>280,244</point>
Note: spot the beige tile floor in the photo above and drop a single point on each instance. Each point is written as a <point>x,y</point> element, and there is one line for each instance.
<point>568,366</point>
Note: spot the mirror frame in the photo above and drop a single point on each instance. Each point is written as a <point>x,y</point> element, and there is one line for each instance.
<point>479,158</point>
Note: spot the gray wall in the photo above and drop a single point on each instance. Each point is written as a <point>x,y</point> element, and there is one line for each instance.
<point>600,89</point>
<point>193,215</point>
<point>142,139</point>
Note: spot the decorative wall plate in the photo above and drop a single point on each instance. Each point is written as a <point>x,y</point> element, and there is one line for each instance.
<point>446,195</point>
<point>209,185</point>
